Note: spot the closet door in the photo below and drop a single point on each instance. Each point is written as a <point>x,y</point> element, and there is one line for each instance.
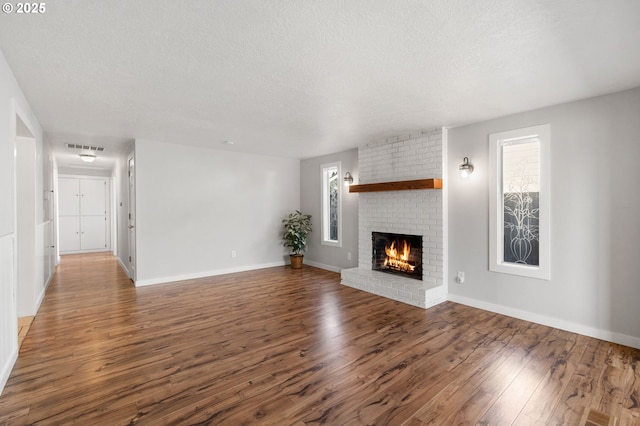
<point>93,213</point>
<point>69,214</point>
<point>82,214</point>
<point>68,196</point>
<point>69,233</point>
<point>93,197</point>
<point>93,232</point>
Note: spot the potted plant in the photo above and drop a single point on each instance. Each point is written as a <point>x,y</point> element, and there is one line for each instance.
<point>297,227</point>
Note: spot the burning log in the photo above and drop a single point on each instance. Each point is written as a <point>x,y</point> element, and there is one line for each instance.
<point>398,259</point>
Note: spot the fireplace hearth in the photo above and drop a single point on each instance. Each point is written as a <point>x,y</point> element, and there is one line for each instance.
<point>397,254</point>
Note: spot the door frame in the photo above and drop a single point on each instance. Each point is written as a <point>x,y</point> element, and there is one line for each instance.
<point>131,216</point>
<point>108,203</point>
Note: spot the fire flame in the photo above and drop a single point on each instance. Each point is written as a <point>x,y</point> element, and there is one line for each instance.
<point>398,259</point>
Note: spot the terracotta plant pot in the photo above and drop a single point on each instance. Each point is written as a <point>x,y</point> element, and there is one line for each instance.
<point>296,261</point>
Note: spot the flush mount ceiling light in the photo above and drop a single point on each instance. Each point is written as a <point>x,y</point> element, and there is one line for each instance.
<point>465,168</point>
<point>87,158</point>
<point>348,179</point>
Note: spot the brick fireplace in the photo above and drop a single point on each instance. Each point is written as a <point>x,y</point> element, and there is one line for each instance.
<point>418,213</point>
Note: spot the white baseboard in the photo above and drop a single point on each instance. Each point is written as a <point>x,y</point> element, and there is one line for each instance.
<point>123,266</point>
<point>44,292</point>
<point>100,250</point>
<point>40,299</point>
<point>430,303</point>
<point>323,266</point>
<point>573,327</point>
<point>6,369</point>
<point>204,274</point>
<point>435,296</point>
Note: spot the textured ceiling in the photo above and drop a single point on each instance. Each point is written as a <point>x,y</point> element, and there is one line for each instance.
<point>301,78</point>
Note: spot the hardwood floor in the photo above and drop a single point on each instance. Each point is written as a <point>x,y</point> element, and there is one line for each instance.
<point>281,346</point>
<point>24,324</point>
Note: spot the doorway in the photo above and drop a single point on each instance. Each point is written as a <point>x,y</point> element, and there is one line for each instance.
<point>132,217</point>
<point>25,222</point>
<point>83,214</point>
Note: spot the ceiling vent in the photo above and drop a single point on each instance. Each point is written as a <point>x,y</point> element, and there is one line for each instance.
<point>84,147</point>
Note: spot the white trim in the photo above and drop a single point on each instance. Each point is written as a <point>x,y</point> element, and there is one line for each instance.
<point>445,216</point>
<point>323,207</point>
<point>131,208</point>
<point>122,265</point>
<point>435,296</point>
<point>100,250</point>
<point>8,367</point>
<point>8,257</point>
<point>56,219</point>
<point>598,333</point>
<point>323,266</point>
<point>204,274</point>
<point>496,242</point>
<point>43,293</point>
<point>46,286</point>
<point>114,215</point>
<point>69,176</point>
<point>109,203</point>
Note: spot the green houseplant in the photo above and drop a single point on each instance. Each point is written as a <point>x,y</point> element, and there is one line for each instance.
<point>297,227</point>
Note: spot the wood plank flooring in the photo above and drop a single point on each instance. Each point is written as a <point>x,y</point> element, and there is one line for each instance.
<point>292,347</point>
<point>24,324</point>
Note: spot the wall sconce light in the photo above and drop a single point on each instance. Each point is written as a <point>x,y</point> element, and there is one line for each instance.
<point>465,168</point>
<point>348,179</point>
<point>87,158</point>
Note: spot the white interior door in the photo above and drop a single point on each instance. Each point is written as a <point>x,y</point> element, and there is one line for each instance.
<point>93,232</point>
<point>69,230</point>
<point>68,196</point>
<point>83,218</point>
<point>68,211</point>
<point>93,197</point>
<point>132,218</point>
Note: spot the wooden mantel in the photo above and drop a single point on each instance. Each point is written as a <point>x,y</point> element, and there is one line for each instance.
<point>398,186</point>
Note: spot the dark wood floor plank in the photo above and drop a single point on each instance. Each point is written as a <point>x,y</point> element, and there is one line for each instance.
<point>576,399</point>
<point>279,346</point>
<point>547,395</point>
<point>540,351</point>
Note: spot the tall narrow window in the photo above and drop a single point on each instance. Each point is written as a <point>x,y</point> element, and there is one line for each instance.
<point>519,228</point>
<point>331,208</point>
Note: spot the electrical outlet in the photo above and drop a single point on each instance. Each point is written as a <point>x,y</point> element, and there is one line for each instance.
<point>233,253</point>
<point>349,256</point>
<point>460,277</point>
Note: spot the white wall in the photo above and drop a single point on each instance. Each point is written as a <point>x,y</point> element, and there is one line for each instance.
<point>84,172</point>
<point>8,316</point>
<point>27,273</point>
<point>328,257</point>
<point>595,231</point>
<point>12,102</point>
<point>34,225</point>
<point>195,205</point>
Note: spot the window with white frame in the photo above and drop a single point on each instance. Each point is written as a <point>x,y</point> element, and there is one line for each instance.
<point>519,202</point>
<point>331,204</point>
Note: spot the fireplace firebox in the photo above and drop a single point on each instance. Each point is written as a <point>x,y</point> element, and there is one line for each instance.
<point>397,254</point>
